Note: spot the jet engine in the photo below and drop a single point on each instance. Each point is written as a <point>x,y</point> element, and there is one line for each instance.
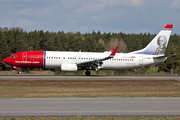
<point>69,67</point>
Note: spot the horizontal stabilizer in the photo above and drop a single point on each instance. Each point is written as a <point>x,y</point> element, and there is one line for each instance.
<point>164,56</point>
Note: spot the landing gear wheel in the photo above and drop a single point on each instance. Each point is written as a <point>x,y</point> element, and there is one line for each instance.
<point>88,73</point>
<point>19,72</point>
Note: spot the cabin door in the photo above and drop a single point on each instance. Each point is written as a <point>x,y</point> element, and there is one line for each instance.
<point>140,60</point>
<point>24,57</point>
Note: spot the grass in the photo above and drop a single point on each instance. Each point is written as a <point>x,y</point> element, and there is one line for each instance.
<point>150,71</point>
<point>94,118</point>
<point>37,88</point>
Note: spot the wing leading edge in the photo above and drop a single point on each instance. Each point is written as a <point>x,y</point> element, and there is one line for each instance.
<point>97,63</point>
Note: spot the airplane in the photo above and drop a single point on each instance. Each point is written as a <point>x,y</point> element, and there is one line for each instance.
<point>67,61</point>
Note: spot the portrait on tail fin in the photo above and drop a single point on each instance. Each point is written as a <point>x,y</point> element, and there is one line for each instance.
<point>161,41</point>
<point>158,44</point>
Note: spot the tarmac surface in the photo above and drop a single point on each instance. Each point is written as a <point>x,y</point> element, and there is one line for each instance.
<point>84,77</point>
<point>98,107</point>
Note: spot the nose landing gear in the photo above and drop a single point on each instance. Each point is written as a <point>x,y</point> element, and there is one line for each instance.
<point>88,73</point>
<point>19,69</point>
<point>19,72</point>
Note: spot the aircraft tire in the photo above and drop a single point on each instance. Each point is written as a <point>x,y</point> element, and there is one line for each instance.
<point>20,72</point>
<point>88,73</point>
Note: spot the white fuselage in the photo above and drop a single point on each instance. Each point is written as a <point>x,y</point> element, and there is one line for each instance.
<point>121,61</point>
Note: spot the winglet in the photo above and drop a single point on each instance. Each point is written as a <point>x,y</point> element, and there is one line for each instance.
<point>168,26</point>
<point>114,52</point>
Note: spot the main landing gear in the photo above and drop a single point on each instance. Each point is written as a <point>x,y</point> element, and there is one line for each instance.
<point>88,73</point>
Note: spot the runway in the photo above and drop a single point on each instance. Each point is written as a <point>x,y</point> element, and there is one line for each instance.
<point>98,107</point>
<point>84,77</point>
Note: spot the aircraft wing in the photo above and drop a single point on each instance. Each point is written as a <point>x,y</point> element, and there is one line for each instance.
<point>95,63</point>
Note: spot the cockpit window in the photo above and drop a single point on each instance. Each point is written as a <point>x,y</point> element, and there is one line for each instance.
<point>13,56</point>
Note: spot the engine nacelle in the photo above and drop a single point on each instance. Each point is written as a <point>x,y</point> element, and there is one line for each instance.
<point>68,67</point>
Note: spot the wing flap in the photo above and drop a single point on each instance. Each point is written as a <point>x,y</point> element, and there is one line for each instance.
<point>94,62</point>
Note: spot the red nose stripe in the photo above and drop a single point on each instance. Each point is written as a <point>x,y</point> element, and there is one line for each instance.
<point>5,60</point>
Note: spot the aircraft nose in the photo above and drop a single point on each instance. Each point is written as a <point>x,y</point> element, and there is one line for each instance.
<point>6,60</point>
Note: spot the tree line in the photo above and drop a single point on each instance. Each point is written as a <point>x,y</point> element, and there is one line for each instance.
<point>14,40</point>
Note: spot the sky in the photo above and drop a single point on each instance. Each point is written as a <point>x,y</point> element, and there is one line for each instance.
<point>84,16</point>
